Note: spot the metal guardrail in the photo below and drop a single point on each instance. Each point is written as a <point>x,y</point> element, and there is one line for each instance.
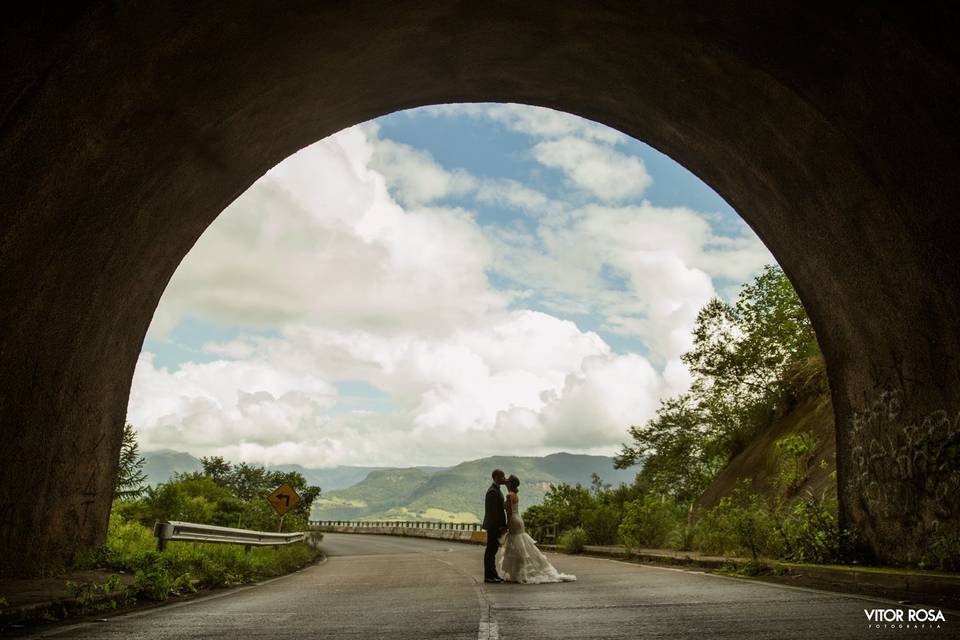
<point>190,532</point>
<point>405,524</point>
<point>545,533</point>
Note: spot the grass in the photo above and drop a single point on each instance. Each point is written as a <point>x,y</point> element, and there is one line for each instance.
<point>431,514</point>
<point>749,569</point>
<point>869,569</point>
<point>339,502</point>
<point>186,566</point>
<point>572,540</point>
<point>434,513</point>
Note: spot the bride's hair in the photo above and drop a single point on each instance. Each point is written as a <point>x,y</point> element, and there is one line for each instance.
<point>513,483</point>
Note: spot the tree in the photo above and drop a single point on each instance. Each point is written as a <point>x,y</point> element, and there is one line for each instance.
<point>563,505</point>
<point>130,475</point>
<point>226,495</point>
<point>679,452</point>
<point>597,486</point>
<point>649,521</point>
<point>740,351</point>
<point>739,358</point>
<point>217,468</point>
<point>247,481</point>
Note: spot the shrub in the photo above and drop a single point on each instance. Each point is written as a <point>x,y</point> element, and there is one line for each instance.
<point>563,505</point>
<point>806,377</point>
<point>601,524</point>
<point>944,553</point>
<point>572,540</point>
<point>650,521</point>
<point>93,596</point>
<point>794,452</point>
<point>131,547</point>
<point>741,522</point>
<point>153,580</point>
<point>809,530</point>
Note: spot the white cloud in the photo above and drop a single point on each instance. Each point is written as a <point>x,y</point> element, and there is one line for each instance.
<point>358,286</point>
<point>537,122</point>
<point>582,149</point>
<point>453,395</point>
<point>661,259</point>
<point>417,180</point>
<point>601,170</point>
<point>513,194</point>
<point>585,409</point>
<point>205,405</point>
<point>319,237</point>
<point>415,177</point>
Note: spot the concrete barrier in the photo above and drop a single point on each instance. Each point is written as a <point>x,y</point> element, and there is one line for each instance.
<point>454,535</point>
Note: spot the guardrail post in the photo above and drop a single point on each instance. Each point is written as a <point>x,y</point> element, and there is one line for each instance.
<point>162,531</point>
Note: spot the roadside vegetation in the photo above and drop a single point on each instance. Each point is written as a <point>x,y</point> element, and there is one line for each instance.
<point>753,363</point>
<point>185,567</point>
<point>221,494</point>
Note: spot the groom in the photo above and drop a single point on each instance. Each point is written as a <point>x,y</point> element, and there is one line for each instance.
<point>495,523</point>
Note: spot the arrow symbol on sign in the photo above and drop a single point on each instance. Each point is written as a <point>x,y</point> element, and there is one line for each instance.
<point>285,498</point>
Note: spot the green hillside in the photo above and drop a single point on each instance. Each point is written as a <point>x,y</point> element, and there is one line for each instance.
<point>456,494</point>
<point>161,465</point>
<point>430,493</point>
<point>331,478</point>
<point>811,415</point>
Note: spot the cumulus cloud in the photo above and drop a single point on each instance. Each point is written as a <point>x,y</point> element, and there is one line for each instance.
<point>461,390</point>
<point>514,194</point>
<point>584,409</point>
<point>319,236</point>
<point>601,170</point>
<point>646,270</point>
<point>583,150</point>
<point>365,259</point>
<point>537,122</point>
<point>415,177</point>
<point>205,405</point>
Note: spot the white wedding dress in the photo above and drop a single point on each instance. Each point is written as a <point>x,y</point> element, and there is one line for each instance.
<point>518,559</point>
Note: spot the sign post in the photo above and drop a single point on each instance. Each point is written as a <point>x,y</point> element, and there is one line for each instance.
<point>282,500</point>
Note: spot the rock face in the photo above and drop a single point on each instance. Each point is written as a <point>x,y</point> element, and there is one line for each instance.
<point>128,128</point>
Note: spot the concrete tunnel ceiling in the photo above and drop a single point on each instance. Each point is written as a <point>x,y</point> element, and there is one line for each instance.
<point>128,128</point>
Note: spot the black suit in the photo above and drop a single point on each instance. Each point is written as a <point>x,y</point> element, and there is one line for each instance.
<point>494,521</point>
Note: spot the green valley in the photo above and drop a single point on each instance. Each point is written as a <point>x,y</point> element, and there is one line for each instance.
<point>456,494</point>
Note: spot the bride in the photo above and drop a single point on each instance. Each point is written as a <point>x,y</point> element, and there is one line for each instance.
<point>519,560</point>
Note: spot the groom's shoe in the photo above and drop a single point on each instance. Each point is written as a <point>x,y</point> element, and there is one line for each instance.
<point>494,580</point>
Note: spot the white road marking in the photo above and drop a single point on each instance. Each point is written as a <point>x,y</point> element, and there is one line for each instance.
<point>488,631</point>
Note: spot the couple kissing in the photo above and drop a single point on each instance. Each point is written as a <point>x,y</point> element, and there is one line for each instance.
<point>511,555</point>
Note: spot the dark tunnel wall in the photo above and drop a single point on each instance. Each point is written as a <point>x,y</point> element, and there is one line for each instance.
<point>128,127</point>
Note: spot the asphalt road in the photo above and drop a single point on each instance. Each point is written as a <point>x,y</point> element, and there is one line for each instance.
<point>399,588</point>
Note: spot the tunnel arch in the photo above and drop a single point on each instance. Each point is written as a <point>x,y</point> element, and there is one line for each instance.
<point>128,128</point>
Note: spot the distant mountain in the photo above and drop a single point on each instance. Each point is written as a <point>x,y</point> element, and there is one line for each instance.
<point>161,465</point>
<point>334,478</point>
<point>456,494</point>
<point>452,494</point>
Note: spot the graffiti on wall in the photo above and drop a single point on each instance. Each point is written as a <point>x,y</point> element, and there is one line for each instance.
<point>906,470</point>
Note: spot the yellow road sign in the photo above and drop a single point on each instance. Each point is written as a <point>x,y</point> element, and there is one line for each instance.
<point>283,498</point>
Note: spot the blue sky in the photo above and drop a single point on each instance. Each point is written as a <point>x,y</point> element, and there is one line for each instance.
<point>413,290</point>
